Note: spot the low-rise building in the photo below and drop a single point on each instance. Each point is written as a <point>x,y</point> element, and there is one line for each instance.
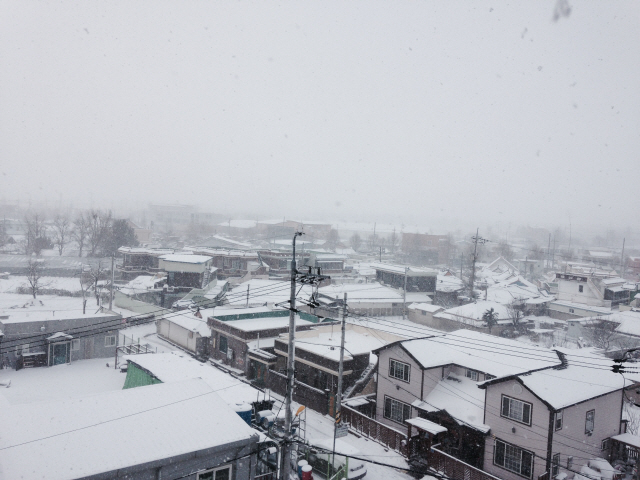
<point>187,271</point>
<point>47,338</point>
<point>168,435</point>
<point>243,338</point>
<point>412,278</point>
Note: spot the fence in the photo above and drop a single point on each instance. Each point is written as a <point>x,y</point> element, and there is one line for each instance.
<point>454,468</point>
<point>375,430</point>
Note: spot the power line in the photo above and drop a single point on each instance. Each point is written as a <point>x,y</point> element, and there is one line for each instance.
<point>109,325</point>
<point>119,418</point>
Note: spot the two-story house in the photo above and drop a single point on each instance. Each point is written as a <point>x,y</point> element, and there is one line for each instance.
<point>553,420</point>
<point>513,410</point>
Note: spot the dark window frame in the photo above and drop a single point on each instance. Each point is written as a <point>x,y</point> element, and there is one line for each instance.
<point>223,341</point>
<point>507,415</point>
<point>555,465</point>
<point>214,471</point>
<point>592,421</point>
<point>499,452</point>
<point>392,370</point>
<point>558,419</point>
<point>387,413</point>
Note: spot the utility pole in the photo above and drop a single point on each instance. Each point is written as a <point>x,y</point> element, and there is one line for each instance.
<point>111,286</point>
<point>461,260</point>
<point>404,295</point>
<point>622,258</point>
<point>288,446</point>
<point>338,409</point>
<point>247,303</point>
<point>476,240</point>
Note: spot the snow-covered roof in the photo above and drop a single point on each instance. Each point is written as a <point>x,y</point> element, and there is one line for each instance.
<point>629,322</point>
<point>582,306</point>
<point>223,252</point>
<point>448,283</point>
<point>472,312</point>
<point>239,223</point>
<point>410,271</point>
<point>190,322</point>
<point>186,258</point>
<point>177,366</point>
<point>362,292</point>
<point>574,384</point>
<point>146,251</point>
<point>628,438</point>
<point>327,344</point>
<point>486,353</point>
<point>460,397</point>
<point>59,336</point>
<point>265,323</point>
<point>427,307</point>
<point>84,436</point>
<point>426,425</point>
<point>614,281</point>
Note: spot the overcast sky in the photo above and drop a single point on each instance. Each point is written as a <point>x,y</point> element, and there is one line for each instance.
<point>426,110</point>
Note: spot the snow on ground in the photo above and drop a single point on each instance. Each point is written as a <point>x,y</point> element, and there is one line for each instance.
<point>83,377</point>
<point>145,333</point>
<point>321,427</point>
<point>70,284</point>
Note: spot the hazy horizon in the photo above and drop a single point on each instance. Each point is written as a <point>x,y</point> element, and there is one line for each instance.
<point>450,115</point>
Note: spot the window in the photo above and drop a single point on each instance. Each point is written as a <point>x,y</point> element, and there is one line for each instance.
<point>589,421</point>
<point>557,422</point>
<point>569,462</point>
<point>556,465</point>
<point>223,473</point>
<point>604,445</point>
<point>75,345</point>
<point>110,341</point>
<point>472,374</point>
<point>25,348</point>
<point>513,458</point>
<point>399,370</point>
<point>395,410</point>
<point>223,344</point>
<point>571,310</point>
<point>488,377</point>
<point>581,288</point>
<point>516,410</point>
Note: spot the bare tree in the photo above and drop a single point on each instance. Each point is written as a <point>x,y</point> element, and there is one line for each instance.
<point>505,251</point>
<point>95,274</point>
<point>35,274</point>
<point>355,241</point>
<point>393,241</point>
<point>632,412</point>
<point>80,232</point>
<point>515,310</point>
<point>333,239</point>
<point>601,333</point>
<point>61,232</point>
<point>85,283</point>
<point>99,229</point>
<point>35,234</point>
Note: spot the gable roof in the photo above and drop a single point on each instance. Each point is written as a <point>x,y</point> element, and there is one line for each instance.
<point>478,351</point>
